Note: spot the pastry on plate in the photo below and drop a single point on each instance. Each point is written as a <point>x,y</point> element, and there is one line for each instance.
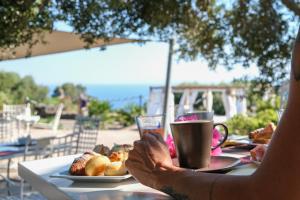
<point>116,169</point>
<point>77,168</point>
<point>96,165</point>
<point>263,135</point>
<point>102,149</point>
<point>121,147</point>
<point>118,156</point>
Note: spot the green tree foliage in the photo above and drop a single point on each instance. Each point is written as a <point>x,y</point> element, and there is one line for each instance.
<point>99,108</point>
<point>218,106</point>
<point>69,90</point>
<point>21,19</point>
<point>266,112</point>
<point>15,89</point>
<point>221,32</point>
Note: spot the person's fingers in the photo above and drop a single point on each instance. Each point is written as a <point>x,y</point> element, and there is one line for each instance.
<point>134,166</point>
<point>153,138</point>
<point>135,155</point>
<point>139,146</point>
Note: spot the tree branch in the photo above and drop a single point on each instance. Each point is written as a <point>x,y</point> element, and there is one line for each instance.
<point>292,5</point>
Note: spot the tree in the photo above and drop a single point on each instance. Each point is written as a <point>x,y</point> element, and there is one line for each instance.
<point>14,89</point>
<point>27,87</point>
<point>224,32</point>
<point>70,90</point>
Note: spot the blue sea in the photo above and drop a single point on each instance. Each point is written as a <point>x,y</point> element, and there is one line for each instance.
<point>118,95</point>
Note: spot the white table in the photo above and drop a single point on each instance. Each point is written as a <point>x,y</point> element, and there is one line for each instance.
<point>28,120</point>
<point>37,174</point>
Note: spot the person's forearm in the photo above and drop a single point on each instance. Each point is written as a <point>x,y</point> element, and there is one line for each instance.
<point>188,184</point>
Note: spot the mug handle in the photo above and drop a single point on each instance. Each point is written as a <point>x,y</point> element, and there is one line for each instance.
<point>224,138</point>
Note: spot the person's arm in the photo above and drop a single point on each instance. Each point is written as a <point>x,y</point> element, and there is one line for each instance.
<point>278,177</point>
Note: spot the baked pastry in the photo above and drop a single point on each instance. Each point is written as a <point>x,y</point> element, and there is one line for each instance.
<point>102,149</point>
<point>263,135</point>
<point>121,147</point>
<point>116,169</point>
<point>78,166</point>
<point>96,165</point>
<point>118,156</point>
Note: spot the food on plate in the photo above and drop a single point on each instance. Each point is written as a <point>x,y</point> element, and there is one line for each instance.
<point>102,149</point>
<point>121,147</point>
<point>96,165</point>
<point>102,161</point>
<point>263,135</point>
<point>78,166</point>
<point>258,153</point>
<point>117,168</point>
<point>118,156</point>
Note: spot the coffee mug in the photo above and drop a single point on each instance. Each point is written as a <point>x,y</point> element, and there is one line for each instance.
<point>193,142</point>
<point>198,115</point>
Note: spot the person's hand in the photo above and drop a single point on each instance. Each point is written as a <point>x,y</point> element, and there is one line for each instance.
<point>148,159</point>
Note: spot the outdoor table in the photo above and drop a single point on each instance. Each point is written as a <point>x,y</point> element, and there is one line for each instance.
<point>28,120</point>
<point>37,173</point>
<point>11,150</point>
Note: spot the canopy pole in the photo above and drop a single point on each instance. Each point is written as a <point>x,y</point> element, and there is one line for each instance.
<point>167,87</point>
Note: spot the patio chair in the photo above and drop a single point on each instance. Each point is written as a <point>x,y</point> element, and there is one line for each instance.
<point>87,129</point>
<point>6,130</point>
<point>13,110</point>
<point>53,125</point>
<point>9,114</point>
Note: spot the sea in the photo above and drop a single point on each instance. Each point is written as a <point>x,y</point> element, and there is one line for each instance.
<point>119,96</point>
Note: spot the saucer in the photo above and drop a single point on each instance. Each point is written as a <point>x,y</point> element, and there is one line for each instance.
<point>220,163</point>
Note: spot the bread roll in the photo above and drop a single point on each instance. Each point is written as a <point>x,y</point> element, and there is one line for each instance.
<point>78,166</point>
<point>102,149</point>
<point>118,156</point>
<point>96,166</point>
<point>116,169</point>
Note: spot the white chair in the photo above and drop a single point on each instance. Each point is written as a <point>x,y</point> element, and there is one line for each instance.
<point>53,125</point>
<point>13,110</point>
<point>14,129</point>
<point>87,130</point>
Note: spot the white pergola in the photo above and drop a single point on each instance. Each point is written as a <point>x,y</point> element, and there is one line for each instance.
<point>234,100</point>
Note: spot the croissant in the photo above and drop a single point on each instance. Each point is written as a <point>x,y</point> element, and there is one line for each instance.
<point>78,166</point>
<point>263,135</point>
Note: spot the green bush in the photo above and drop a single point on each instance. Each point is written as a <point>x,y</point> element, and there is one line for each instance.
<point>266,116</point>
<point>98,108</point>
<point>241,125</point>
<point>126,116</point>
<point>265,112</point>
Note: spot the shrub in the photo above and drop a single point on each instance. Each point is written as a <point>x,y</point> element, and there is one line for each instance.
<point>98,108</point>
<point>241,125</point>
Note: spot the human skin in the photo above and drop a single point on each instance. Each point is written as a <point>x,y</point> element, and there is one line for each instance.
<point>278,176</point>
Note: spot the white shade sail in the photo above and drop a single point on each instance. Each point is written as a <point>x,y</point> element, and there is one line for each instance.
<point>56,42</point>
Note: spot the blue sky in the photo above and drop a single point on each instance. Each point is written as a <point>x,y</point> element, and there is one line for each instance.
<point>119,64</point>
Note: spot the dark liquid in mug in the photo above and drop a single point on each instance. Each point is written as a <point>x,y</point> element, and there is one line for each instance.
<point>193,143</point>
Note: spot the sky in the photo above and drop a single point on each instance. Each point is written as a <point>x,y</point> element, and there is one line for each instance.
<point>120,64</point>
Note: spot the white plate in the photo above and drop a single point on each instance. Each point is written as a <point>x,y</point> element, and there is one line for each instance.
<point>102,179</point>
